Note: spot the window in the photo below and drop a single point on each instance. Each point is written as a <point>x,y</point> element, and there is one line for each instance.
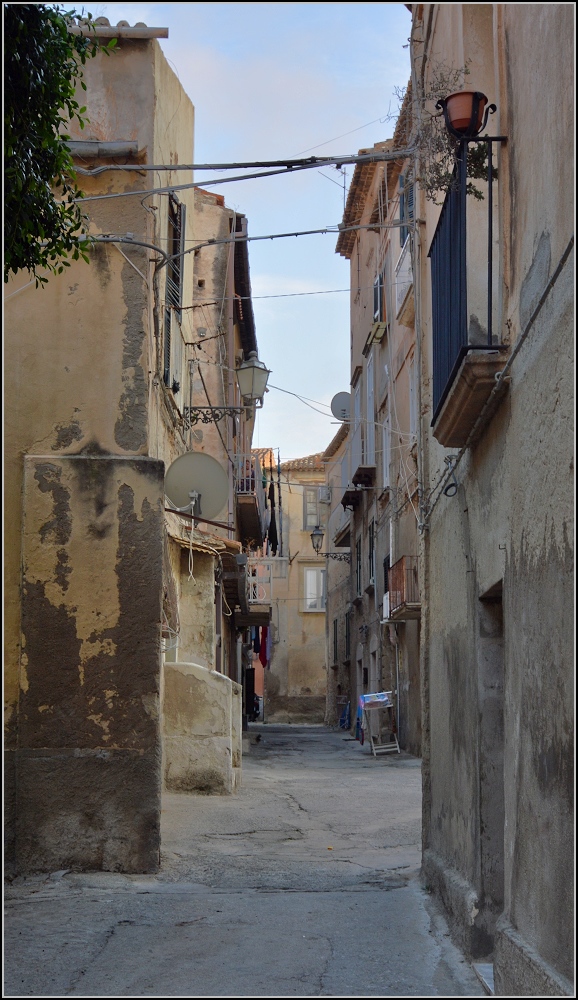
<point>378,310</point>
<point>405,207</point>
<point>412,399</point>
<point>449,298</point>
<point>386,568</point>
<point>335,640</point>
<point>386,452</point>
<point>371,551</point>
<point>370,431</point>
<point>347,636</point>
<point>174,293</point>
<point>357,437</point>
<point>313,588</point>
<point>358,567</point>
<point>310,507</point>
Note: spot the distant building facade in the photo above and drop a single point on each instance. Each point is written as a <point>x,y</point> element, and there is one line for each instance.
<point>295,681</point>
<point>379,481</point>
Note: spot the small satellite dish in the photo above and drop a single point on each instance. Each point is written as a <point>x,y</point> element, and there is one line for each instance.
<point>341,406</point>
<point>200,474</point>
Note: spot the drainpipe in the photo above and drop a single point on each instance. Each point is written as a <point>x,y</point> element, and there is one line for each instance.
<point>422,459</point>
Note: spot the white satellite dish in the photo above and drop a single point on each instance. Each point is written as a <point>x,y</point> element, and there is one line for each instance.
<point>201,475</point>
<point>341,406</point>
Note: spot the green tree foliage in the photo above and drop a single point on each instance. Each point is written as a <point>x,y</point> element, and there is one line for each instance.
<point>44,223</point>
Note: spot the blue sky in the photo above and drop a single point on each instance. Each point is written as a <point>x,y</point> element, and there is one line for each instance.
<point>272,81</point>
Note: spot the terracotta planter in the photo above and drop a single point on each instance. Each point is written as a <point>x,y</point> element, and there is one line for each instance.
<point>459,107</point>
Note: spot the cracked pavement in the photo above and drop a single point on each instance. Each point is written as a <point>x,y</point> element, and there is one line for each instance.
<point>304,883</point>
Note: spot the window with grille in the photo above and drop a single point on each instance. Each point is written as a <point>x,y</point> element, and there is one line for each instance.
<point>173,291</point>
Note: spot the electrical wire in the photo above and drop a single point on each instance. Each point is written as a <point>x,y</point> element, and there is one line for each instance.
<point>288,165</point>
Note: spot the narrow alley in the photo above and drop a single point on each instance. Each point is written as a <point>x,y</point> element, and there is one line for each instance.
<point>304,883</point>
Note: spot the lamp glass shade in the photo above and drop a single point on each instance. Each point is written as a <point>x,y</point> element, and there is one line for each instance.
<point>252,376</point>
<point>317,537</point>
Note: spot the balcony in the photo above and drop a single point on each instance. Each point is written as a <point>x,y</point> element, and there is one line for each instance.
<point>362,466</point>
<point>339,527</point>
<point>250,500</point>
<point>256,608</point>
<point>466,355</point>
<point>404,599</point>
<point>467,396</point>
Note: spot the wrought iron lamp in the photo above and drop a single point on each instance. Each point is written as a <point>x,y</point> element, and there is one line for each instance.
<point>465,113</point>
<point>317,536</point>
<point>252,376</point>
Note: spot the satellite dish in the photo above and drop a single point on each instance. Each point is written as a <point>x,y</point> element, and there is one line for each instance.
<point>341,406</point>
<point>200,474</point>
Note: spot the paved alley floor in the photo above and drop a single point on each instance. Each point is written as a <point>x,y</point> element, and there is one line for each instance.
<point>305,883</point>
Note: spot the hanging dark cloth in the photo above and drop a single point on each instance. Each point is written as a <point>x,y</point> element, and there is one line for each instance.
<point>256,640</point>
<point>263,650</point>
<point>272,532</point>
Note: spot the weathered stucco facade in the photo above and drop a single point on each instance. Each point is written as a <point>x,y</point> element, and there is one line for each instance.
<point>496,557</point>
<point>379,493</point>
<point>295,682</point>
<point>100,578</point>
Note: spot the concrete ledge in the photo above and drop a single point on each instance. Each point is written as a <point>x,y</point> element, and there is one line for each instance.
<point>520,971</point>
<point>467,396</point>
<point>461,903</point>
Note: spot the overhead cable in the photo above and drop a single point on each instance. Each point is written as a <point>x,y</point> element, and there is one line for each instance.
<point>287,165</point>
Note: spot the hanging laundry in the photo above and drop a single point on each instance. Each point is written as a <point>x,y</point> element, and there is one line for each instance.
<point>272,533</point>
<point>263,650</point>
<point>256,640</point>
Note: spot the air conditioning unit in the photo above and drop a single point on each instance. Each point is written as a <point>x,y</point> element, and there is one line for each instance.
<point>324,494</point>
<point>386,606</point>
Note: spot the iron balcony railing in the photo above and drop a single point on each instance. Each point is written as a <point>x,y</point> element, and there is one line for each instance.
<point>448,253</point>
<point>404,587</point>
<point>259,580</point>
<point>249,484</point>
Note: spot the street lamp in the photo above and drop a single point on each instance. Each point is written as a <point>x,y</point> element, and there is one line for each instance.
<point>317,536</point>
<point>252,376</point>
<point>465,113</point>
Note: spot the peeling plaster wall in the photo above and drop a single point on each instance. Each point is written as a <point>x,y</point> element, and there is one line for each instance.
<point>85,601</point>
<point>88,752</point>
<point>197,610</point>
<point>506,537</point>
<point>201,730</point>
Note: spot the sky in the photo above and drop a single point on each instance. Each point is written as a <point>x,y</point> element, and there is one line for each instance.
<point>275,81</point>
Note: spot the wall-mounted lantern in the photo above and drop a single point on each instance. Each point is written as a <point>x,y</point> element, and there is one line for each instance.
<point>465,113</point>
<point>317,536</point>
<point>252,376</point>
